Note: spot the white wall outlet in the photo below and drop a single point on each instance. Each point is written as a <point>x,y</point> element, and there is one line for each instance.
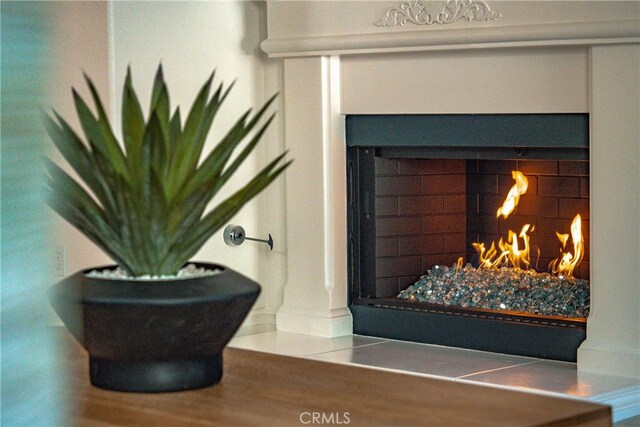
<point>59,265</point>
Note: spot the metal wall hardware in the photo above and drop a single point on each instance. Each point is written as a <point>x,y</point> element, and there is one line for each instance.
<point>234,235</point>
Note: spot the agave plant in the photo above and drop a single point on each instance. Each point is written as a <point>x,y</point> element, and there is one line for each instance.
<point>145,205</point>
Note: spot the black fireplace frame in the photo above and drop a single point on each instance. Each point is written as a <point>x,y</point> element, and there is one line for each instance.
<point>452,136</point>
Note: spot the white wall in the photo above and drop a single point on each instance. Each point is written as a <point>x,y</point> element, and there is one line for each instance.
<point>80,43</point>
<point>191,39</point>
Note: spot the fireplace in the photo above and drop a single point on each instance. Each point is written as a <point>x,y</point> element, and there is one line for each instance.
<point>422,197</point>
<point>537,58</point>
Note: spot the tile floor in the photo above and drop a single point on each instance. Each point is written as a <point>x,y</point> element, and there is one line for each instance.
<point>454,364</point>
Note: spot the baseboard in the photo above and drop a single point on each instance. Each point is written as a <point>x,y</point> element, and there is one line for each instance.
<point>336,325</point>
<point>257,322</point>
<point>600,358</point>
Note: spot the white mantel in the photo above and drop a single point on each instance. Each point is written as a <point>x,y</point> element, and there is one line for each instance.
<point>536,57</point>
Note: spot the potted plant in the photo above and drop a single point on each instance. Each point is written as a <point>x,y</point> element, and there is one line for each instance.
<point>149,324</point>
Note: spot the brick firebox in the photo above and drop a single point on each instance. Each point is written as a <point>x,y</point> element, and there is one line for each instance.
<point>429,211</point>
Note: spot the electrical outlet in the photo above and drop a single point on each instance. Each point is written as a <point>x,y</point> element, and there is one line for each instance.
<point>59,265</point>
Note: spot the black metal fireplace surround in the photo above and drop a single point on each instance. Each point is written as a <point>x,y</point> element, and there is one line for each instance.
<point>454,141</point>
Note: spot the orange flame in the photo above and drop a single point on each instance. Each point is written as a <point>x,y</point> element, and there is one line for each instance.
<point>569,261</point>
<point>516,250</point>
<point>518,189</point>
<point>519,258</point>
<point>510,252</point>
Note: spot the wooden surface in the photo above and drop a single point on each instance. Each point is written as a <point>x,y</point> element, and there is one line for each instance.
<point>260,389</point>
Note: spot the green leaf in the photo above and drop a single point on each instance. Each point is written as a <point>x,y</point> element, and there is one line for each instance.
<point>160,96</point>
<point>175,130</point>
<point>215,162</point>
<point>200,190</point>
<point>188,150</point>
<point>103,120</point>
<point>71,198</point>
<point>119,188</point>
<point>132,123</point>
<point>79,158</point>
<point>72,215</point>
<point>137,222</point>
<point>155,142</point>
<point>72,192</point>
<point>158,218</point>
<point>196,236</point>
<point>99,137</point>
<point>160,107</point>
<point>240,158</point>
<point>205,170</point>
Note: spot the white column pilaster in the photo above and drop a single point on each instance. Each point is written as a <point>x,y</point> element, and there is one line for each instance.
<point>315,295</point>
<point>613,328</point>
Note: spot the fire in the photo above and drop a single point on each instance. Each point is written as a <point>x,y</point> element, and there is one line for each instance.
<point>516,250</point>
<point>518,189</point>
<point>569,261</point>
<point>510,252</point>
<point>519,258</point>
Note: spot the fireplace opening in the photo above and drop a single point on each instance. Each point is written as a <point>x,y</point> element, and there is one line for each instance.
<point>471,230</point>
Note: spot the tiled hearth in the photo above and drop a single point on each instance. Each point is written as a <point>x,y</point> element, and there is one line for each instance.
<point>454,364</point>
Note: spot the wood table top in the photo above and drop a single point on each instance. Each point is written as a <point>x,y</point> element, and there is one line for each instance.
<point>260,389</point>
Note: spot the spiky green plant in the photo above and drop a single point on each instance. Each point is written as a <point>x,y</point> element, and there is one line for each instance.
<point>145,205</point>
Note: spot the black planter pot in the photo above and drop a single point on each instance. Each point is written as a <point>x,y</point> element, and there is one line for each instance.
<point>155,336</point>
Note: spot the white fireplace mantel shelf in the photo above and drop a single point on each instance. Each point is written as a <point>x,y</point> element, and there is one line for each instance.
<point>622,31</point>
<point>546,57</point>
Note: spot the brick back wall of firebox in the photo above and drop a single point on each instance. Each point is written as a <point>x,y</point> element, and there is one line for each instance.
<point>429,211</point>
<point>558,190</point>
<point>420,219</point>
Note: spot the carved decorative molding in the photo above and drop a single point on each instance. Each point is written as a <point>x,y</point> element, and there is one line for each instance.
<point>429,12</point>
